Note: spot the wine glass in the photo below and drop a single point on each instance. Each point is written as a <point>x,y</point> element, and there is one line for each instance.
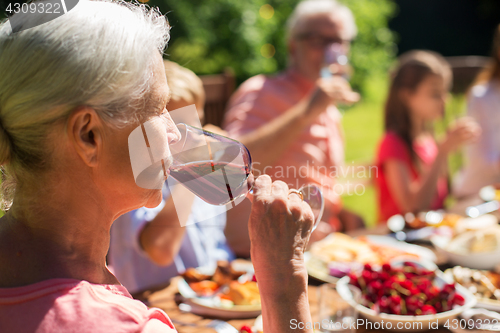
<point>219,169</point>
<point>334,54</point>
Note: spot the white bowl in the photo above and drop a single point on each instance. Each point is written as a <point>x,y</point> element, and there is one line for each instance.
<point>408,323</point>
<point>480,260</point>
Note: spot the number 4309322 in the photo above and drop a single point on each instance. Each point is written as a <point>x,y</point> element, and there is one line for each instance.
<point>40,7</point>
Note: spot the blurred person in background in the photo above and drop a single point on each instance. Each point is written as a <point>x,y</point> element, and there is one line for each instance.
<point>289,121</point>
<point>482,159</point>
<point>412,165</point>
<point>149,246</point>
<point>72,91</point>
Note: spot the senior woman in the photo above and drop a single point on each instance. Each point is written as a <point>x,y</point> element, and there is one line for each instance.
<point>71,92</point>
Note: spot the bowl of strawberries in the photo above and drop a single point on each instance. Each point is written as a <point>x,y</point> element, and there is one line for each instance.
<point>406,295</point>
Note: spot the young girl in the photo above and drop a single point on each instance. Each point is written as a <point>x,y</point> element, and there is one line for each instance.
<point>411,163</point>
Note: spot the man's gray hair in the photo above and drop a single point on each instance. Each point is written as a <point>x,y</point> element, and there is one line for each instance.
<point>100,54</point>
<point>307,8</point>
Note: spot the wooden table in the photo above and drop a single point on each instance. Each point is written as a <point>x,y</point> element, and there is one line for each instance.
<point>190,323</point>
<point>165,299</point>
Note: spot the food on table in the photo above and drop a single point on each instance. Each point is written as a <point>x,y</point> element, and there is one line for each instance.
<point>476,223</point>
<point>205,287</point>
<point>433,219</point>
<point>483,284</point>
<point>405,290</point>
<point>344,249</point>
<point>246,329</point>
<point>225,285</point>
<point>489,193</point>
<point>225,273</point>
<point>243,293</point>
<point>192,275</point>
<point>478,241</point>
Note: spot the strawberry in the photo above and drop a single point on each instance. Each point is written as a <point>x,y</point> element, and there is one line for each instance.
<point>384,276</point>
<point>245,329</point>
<point>406,290</point>
<point>367,276</point>
<point>353,279</point>
<point>428,309</point>
<point>374,287</point>
<point>411,264</point>
<point>383,304</point>
<point>458,299</point>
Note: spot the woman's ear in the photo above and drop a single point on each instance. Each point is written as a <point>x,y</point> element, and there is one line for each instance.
<point>85,132</point>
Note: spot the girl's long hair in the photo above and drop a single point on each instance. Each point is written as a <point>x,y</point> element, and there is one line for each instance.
<point>492,70</point>
<point>412,68</point>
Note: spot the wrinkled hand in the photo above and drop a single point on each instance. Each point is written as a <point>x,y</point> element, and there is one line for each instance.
<point>334,90</point>
<point>279,227</point>
<point>463,131</point>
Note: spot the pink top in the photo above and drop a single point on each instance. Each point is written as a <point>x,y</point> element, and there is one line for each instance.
<point>392,147</point>
<point>316,154</point>
<point>68,305</point>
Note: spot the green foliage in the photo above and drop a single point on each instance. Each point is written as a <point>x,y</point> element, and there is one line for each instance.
<point>374,48</point>
<point>209,35</point>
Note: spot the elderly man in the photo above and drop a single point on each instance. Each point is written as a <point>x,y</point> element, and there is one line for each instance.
<point>289,121</point>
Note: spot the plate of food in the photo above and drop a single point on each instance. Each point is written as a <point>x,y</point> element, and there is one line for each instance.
<point>489,193</point>
<point>479,249</point>
<point>406,296</point>
<point>338,254</point>
<point>484,284</point>
<point>229,291</point>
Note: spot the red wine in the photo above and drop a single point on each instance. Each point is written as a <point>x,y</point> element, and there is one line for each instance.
<point>215,182</point>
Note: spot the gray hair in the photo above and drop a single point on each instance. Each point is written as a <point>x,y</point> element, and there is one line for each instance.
<point>100,54</point>
<point>307,8</point>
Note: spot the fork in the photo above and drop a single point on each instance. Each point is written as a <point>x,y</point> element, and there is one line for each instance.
<point>222,327</point>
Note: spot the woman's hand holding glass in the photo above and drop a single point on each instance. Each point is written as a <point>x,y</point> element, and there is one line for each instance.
<point>280,225</point>
<point>219,170</point>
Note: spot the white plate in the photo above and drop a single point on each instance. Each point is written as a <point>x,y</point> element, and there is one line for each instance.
<point>441,318</point>
<point>318,269</point>
<point>212,306</point>
<point>485,303</point>
<point>487,193</point>
<point>487,260</point>
<point>258,325</point>
<point>425,254</point>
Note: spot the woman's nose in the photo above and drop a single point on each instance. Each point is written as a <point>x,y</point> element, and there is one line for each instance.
<point>173,133</point>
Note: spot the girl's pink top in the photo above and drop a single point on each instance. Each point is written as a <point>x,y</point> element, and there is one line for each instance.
<point>392,147</point>
<point>67,305</point>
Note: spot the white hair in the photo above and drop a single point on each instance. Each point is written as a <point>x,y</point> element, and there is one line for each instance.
<point>307,8</point>
<point>99,54</point>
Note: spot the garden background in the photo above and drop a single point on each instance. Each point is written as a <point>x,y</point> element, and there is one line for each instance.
<point>248,36</point>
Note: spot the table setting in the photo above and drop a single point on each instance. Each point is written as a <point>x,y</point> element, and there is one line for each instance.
<point>432,270</point>
<point>447,279</point>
